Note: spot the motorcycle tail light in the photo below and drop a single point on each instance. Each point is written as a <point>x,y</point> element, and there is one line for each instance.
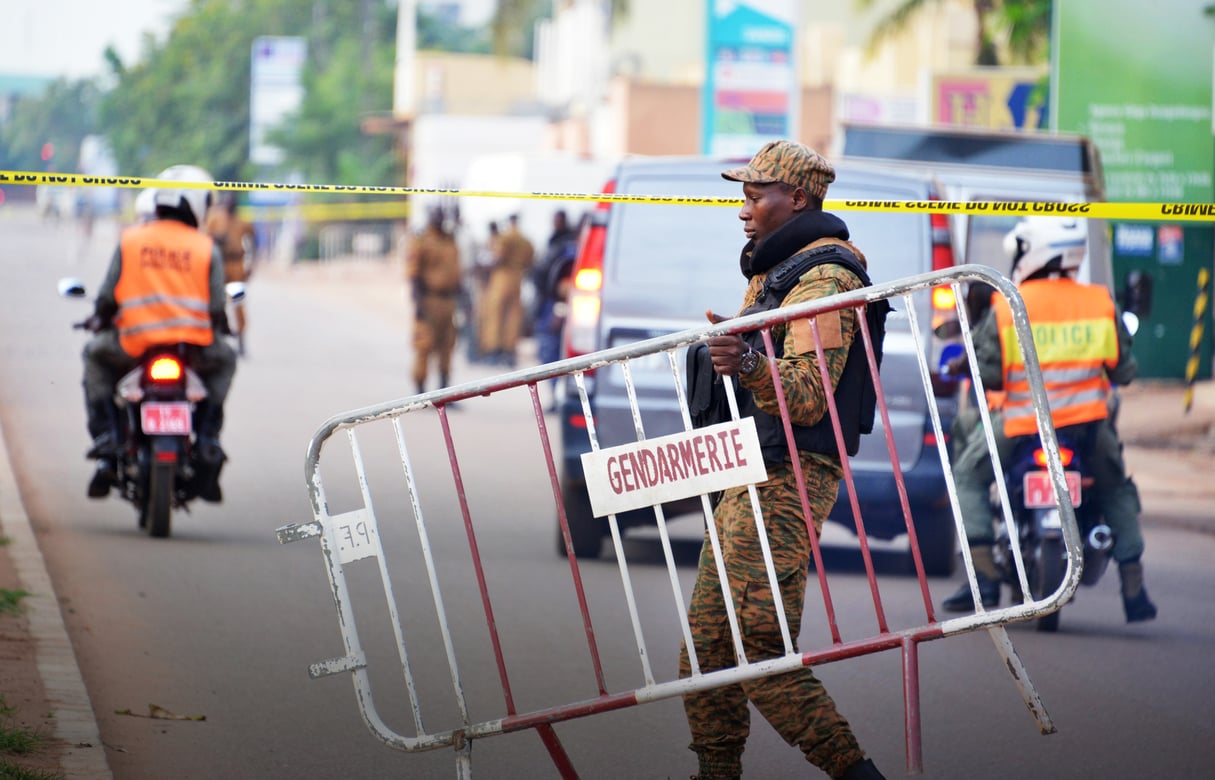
<point>1066,456</point>
<point>165,369</point>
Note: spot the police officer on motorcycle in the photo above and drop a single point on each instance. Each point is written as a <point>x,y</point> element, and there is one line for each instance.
<point>165,285</point>
<point>1084,348</point>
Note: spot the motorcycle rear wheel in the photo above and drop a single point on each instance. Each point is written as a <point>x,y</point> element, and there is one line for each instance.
<point>158,504</point>
<point>1049,570</point>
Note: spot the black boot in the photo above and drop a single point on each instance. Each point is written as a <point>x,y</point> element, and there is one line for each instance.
<point>718,766</point>
<point>863,770</point>
<point>103,426</point>
<point>1135,602</point>
<point>963,601</point>
<point>105,476</point>
<point>209,457</point>
<point>987,578</point>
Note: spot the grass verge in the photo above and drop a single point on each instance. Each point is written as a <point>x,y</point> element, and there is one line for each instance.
<point>17,740</point>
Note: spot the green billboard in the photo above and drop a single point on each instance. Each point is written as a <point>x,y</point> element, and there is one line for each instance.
<point>1137,79</point>
<point>1138,82</point>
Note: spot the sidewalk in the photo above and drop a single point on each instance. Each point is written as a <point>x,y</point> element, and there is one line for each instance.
<point>1171,453</point>
<point>41,680</point>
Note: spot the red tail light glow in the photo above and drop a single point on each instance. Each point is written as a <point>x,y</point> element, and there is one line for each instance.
<point>582,323</point>
<point>942,258</point>
<point>165,369</point>
<point>942,247</point>
<point>1065,455</point>
<point>588,279</point>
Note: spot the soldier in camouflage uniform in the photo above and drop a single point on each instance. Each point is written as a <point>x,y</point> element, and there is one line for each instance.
<point>503,316</point>
<point>433,272</point>
<point>783,189</point>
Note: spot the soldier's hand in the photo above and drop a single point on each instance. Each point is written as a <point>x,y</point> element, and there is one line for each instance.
<point>725,351</point>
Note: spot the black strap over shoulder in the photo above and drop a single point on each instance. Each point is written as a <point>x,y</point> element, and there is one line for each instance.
<point>854,394</point>
<point>855,397</point>
<point>784,277</point>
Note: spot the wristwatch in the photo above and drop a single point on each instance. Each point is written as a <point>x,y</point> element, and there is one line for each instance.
<point>748,362</point>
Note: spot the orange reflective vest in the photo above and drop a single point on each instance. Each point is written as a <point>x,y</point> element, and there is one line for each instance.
<point>164,288</point>
<point>1076,339</point>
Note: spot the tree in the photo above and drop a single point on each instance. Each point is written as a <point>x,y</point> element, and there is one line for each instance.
<point>514,22</point>
<point>1027,25</point>
<point>56,121</point>
<point>187,99</point>
<point>435,34</point>
<point>324,140</point>
<point>1023,24</point>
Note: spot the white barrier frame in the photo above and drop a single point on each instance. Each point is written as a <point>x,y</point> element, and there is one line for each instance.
<point>324,528</point>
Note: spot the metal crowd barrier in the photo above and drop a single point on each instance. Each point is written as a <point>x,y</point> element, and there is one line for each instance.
<point>352,536</point>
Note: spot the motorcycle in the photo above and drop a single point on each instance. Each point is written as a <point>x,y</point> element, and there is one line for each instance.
<point>1039,527</point>
<point>158,458</point>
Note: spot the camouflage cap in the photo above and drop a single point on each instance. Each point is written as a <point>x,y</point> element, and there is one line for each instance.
<point>786,161</point>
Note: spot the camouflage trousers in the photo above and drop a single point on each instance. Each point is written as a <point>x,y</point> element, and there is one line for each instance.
<point>434,336</point>
<point>794,703</point>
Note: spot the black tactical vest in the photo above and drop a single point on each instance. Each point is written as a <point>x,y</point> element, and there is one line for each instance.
<point>855,399</point>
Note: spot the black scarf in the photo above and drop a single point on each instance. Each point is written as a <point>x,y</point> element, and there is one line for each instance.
<point>787,239</point>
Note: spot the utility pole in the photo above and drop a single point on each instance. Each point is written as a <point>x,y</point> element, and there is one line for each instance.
<point>404,101</point>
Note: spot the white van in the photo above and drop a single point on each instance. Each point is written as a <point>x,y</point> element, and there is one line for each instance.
<point>649,269</point>
<point>985,165</point>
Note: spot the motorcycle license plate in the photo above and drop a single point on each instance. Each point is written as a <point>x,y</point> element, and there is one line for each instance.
<point>166,418</point>
<point>1040,491</point>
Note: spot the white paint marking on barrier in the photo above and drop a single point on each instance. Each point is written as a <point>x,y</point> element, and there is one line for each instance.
<point>356,535</point>
<point>681,465</point>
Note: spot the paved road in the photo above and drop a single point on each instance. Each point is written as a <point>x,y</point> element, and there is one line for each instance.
<point>222,621</point>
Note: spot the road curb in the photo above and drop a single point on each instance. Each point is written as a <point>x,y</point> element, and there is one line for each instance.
<point>83,756</point>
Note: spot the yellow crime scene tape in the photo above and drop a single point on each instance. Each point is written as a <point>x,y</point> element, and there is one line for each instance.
<point>389,209</point>
<point>1169,212</point>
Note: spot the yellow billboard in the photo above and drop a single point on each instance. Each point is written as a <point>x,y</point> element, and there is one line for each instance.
<point>996,98</point>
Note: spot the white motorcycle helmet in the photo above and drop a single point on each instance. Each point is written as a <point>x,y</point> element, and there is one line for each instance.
<point>145,205</point>
<point>191,201</point>
<point>1045,243</point>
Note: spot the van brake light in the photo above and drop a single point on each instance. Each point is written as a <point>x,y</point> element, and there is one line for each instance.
<point>582,325</point>
<point>942,246</point>
<point>943,298</point>
<point>588,280</point>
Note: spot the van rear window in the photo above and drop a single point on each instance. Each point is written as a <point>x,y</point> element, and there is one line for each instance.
<point>661,244</point>
<point>656,244</point>
<point>1056,153</point>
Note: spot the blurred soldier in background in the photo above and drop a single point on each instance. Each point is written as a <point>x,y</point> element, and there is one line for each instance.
<point>235,239</point>
<point>433,271</point>
<point>550,279</point>
<point>503,310</point>
<point>484,259</point>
